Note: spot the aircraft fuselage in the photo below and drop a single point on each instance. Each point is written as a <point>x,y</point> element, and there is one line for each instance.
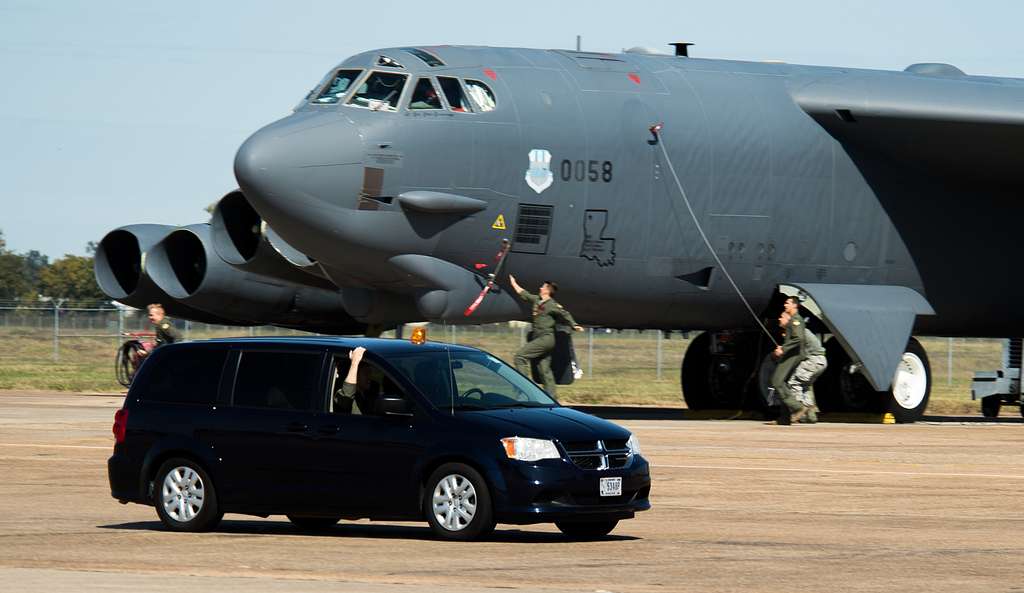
<point>781,200</point>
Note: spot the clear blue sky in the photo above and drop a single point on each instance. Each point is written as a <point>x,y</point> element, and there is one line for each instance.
<point>120,112</point>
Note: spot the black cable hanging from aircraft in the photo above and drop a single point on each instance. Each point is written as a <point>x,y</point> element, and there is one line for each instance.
<point>656,132</point>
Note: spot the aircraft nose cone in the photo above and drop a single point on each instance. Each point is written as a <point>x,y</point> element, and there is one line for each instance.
<point>253,163</point>
<point>250,162</point>
<point>304,158</point>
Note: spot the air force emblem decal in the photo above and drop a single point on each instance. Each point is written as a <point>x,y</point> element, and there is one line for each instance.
<point>539,176</point>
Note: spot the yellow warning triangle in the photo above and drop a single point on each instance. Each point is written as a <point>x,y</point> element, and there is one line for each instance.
<point>499,223</point>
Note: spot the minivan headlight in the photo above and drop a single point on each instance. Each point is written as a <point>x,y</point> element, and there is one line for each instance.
<point>524,449</point>
<point>633,444</point>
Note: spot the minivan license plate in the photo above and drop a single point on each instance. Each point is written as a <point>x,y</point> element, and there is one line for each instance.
<point>611,486</point>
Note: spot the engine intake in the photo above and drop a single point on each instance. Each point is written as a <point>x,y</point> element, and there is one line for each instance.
<point>185,266</point>
<point>243,239</point>
<point>122,274</point>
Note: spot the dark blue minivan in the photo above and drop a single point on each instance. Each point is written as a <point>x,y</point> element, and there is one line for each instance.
<point>450,434</point>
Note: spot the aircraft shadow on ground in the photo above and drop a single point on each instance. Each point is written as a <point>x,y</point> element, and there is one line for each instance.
<point>382,531</point>
<point>650,413</point>
<point>647,413</point>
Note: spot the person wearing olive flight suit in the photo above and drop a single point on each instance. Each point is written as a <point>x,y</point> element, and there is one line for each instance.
<point>166,333</point>
<point>546,314</point>
<point>812,364</point>
<point>801,361</point>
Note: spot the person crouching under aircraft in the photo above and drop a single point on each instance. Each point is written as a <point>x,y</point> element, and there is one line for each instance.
<point>546,315</point>
<point>801,361</point>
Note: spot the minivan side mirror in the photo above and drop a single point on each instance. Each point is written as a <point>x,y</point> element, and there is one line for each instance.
<point>393,405</point>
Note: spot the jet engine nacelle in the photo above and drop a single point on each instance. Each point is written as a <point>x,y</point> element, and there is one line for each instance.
<point>121,272</point>
<point>243,239</point>
<point>185,266</point>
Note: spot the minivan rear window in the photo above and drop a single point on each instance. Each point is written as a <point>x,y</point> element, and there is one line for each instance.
<point>189,375</point>
<point>278,380</point>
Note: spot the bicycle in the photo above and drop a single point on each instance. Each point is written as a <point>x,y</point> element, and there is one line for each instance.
<point>130,355</point>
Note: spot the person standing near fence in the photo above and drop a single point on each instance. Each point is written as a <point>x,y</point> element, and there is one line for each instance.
<point>546,314</point>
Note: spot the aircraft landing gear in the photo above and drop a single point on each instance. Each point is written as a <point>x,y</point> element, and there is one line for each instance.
<point>719,372</point>
<point>731,371</point>
<point>839,390</point>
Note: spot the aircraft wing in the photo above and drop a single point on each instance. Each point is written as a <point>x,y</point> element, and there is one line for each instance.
<point>949,124</point>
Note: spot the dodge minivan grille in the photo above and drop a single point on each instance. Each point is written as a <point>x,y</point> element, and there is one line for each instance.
<point>606,454</point>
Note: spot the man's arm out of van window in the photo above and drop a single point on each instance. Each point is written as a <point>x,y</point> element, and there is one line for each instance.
<point>356,356</point>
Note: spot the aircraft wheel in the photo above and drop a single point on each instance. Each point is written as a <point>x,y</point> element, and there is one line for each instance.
<point>906,400</point>
<point>990,406</point>
<point>912,385</point>
<point>727,380</point>
<point>833,390</point>
<point>695,373</point>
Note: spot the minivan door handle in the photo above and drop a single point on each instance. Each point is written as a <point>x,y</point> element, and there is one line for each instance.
<point>329,429</point>
<point>298,427</point>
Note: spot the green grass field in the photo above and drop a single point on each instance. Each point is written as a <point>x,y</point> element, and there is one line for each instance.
<point>621,368</point>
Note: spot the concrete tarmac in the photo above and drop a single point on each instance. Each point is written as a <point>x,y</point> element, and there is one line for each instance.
<point>736,506</point>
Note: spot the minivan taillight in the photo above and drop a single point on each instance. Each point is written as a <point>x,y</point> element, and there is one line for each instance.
<point>120,425</point>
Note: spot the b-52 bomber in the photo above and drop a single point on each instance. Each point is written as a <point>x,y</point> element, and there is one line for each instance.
<point>645,184</point>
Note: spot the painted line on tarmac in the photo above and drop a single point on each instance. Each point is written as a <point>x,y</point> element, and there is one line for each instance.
<point>837,471</point>
<point>54,446</point>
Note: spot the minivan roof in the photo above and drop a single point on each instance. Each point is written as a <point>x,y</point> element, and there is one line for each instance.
<point>377,345</point>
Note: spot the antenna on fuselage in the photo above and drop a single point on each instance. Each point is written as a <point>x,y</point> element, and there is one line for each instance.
<point>682,48</point>
<point>579,42</point>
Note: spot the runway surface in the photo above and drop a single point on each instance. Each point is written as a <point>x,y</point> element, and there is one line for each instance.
<point>737,505</point>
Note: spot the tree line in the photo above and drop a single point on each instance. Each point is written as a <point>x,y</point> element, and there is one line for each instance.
<point>30,277</point>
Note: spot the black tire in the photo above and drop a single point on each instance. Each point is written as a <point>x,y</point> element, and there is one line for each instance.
<point>582,530</point>
<point>124,367</point>
<point>314,523</point>
<point>826,388</point>
<point>209,513</point>
<point>695,372</point>
<point>990,406</point>
<point>727,380</point>
<point>482,521</point>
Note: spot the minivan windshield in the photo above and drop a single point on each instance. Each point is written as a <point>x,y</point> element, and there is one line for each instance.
<point>469,381</point>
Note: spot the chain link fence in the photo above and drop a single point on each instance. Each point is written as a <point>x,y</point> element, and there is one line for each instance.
<point>71,346</point>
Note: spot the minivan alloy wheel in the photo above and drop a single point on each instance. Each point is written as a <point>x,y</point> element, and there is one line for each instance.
<point>182,494</point>
<point>454,502</point>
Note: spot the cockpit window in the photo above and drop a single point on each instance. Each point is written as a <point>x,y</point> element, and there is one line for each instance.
<point>457,99</point>
<point>424,96</point>
<point>339,85</point>
<point>389,62</point>
<point>482,94</point>
<point>380,91</point>
<point>428,58</point>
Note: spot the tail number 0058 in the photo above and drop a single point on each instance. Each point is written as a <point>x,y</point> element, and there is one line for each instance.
<point>586,170</point>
